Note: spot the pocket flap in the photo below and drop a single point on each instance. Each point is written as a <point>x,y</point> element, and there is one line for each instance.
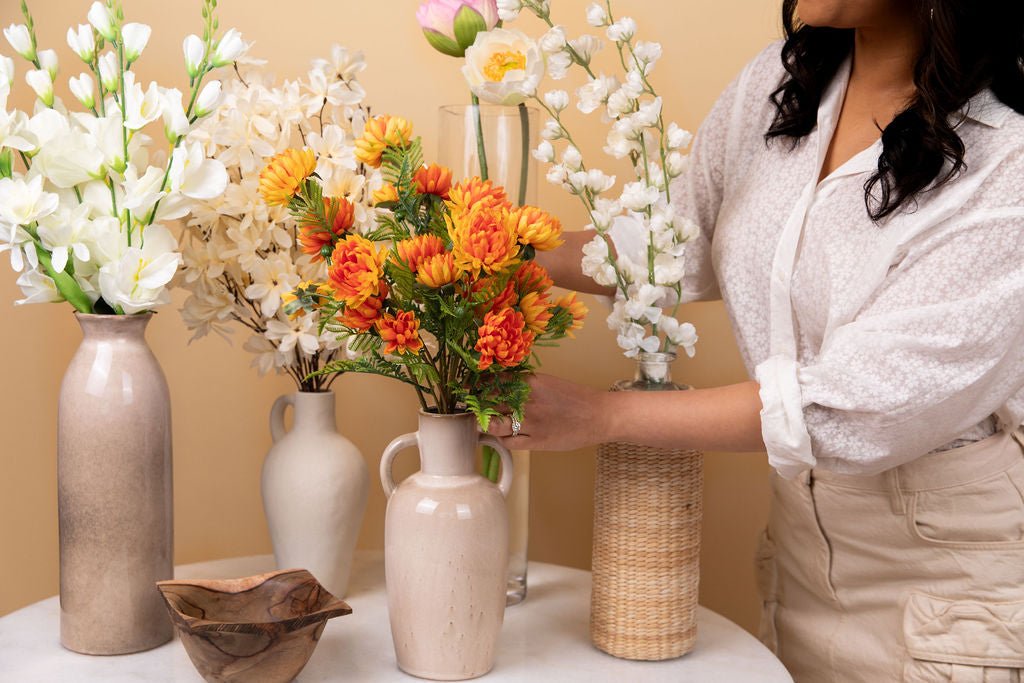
<point>964,631</point>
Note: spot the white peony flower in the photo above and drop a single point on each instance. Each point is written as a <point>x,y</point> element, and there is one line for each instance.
<point>110,72</point>
<point>48,62</point>
<point>597,15</point>
<point>622,30</point>
<point>557,100</point>
<point>135,36</point>
<point>100,18</point>
<point>503,66</point>
<point>82,87</point>
<point>229,48</point>
<point>82,43</point>
<point>195,51</point>
<point>137,281</point>
<point>20,40</point>
<point>42,83</point>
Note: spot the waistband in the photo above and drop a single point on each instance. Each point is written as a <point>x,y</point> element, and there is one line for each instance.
<point>953,467</point>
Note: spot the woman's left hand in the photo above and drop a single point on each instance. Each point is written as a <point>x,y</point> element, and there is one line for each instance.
<point>560,416</point>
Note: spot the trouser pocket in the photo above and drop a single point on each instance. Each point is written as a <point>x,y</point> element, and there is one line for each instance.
<point>767,586</point>
<point>963,641</point>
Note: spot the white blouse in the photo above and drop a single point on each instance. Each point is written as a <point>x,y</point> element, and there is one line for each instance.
<point>873,343</point>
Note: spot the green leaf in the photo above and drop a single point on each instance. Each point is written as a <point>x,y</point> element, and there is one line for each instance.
<point>6,163</point>
<point>468,23</point>
<point>443,43</point>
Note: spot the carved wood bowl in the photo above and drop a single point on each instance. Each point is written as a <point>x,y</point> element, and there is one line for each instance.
<point>260,629</point>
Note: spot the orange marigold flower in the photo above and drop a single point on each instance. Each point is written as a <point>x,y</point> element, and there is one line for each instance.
<point>415,250</point>
<point>532,277</point>
<point>314,238</point>
<point>537,228</point>
<point>380,133</point>
<point>282,177</point>
<point>473,193</point>
<point>400,332</point>
<point>362,317</point>
<point>386,193</point>
<point>356,269</point>
<point>483,240</point>
<point>503,339</point>
<point>433,179</point>
<point>438,270</point>
<point>320,291</point>
<point>576,308</point>
<point>499,298</point>
<point>536,310</point>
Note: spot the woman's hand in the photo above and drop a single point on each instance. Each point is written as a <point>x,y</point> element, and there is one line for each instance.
<point>560,416</point>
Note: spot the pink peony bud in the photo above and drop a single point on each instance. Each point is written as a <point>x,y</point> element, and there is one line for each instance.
<point>451,26</point>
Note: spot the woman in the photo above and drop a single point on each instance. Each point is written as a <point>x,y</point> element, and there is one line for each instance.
<point>876,289</point>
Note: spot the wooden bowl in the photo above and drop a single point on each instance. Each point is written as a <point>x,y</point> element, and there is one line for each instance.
<point>260,629</point>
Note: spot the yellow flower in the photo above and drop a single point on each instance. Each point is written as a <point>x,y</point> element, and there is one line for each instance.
<point>401,333</point>
<point>414,250</point>
<point>282,177</point>
<point>380,133</point>
<point>577,309</point>
<point>483,240</point>
<point>386,193</point>
<point>537,228</point>
<point>500,63</point>
<point>438,270</point>
<point>536,311</point>
<point>356,270</point>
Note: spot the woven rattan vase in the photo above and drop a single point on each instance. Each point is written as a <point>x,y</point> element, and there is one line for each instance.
<point>646,554</point>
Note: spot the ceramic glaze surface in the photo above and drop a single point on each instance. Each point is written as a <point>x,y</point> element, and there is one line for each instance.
<point>446,553</point>
<point>114,490</point>
<point>314,485</point>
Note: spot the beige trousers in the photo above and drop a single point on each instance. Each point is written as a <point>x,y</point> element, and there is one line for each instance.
<point>913,575</point>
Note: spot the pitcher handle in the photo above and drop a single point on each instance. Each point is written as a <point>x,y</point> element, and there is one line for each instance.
<point>277,415</point>
<point>386,460</point>
<point>505,483</point>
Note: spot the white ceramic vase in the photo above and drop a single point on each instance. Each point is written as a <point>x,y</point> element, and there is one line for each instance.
<point>315,483</point>
<point>446,551</point>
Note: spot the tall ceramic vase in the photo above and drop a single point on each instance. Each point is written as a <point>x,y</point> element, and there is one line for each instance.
<point>508,139</point>
<point>646,554</point>
<point>315,483</point>
<point>114,490</point>
<point>446,551</point>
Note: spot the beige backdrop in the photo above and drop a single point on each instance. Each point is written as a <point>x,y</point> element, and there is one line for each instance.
<point>220,406</point>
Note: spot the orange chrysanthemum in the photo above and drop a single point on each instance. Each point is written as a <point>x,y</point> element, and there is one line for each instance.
<point>536,310</point>
<point>314,237</point>
<point>537,228</point>
<point>503,339</point>
<point>438,270</point>
<point>415,250</point>
<point>362,317</point>
<point>483,240</point>
<point>386,193</point>
<point>400,332</point>
<point>356,269</point>
<point>380,133</point>
<point>282,177</point>
<point>532,277</point>
<point>320,291</point>
<point>577,309</point>
<point>473,193</point>
<point>433,179</point>
<point>499,298</point>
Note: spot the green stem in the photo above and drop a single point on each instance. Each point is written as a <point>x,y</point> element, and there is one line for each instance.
<point>65,283</point>
<point>524,168</point>
<point>481,151</point>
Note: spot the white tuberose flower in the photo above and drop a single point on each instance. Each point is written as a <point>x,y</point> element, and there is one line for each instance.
<point>503,66</point>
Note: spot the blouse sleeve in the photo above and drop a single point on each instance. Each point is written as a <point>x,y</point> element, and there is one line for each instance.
<point>697,196</point>
<point>939,348</point>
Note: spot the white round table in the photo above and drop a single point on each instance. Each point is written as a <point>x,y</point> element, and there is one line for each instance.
<point>544,638</point>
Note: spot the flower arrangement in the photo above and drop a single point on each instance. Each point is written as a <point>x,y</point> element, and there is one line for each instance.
<point>243,257</point>
<point>83,215</point>
<point>648,278</point>
<point>444,294</point>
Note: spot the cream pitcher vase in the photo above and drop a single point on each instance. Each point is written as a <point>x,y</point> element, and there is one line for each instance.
<point>446,551</point>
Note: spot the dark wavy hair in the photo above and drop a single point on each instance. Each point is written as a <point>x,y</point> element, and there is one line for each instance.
<point>968,45</point>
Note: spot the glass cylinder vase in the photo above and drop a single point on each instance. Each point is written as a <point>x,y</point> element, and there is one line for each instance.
<point>508,136</point>
<point>646,552</point>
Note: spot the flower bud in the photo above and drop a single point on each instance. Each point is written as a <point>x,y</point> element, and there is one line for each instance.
<point>597,15</point>
<point>48,61</point>
<point>229,48</point>
<point>82,88</point>
<point>21,41</point>
<point>209,99</point>
<point>557,100</point>
<point>545,152</point>
<point>622,30</point>
<point>82,42</point>
<point>41,82</point>
<point>100,18</point>
<point>135,36</point>
<point>6,71</point>
<point>110,72</point>
<point>194,50</point>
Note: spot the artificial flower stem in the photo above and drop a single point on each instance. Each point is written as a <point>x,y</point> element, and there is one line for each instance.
<point>66,284</point>
<point>524,168</point>
<point>481,150</point>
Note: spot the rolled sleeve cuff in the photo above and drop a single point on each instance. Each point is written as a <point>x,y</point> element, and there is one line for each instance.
<point>782,417</point>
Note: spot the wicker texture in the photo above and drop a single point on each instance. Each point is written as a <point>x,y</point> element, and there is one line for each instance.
<point>646,555</point>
